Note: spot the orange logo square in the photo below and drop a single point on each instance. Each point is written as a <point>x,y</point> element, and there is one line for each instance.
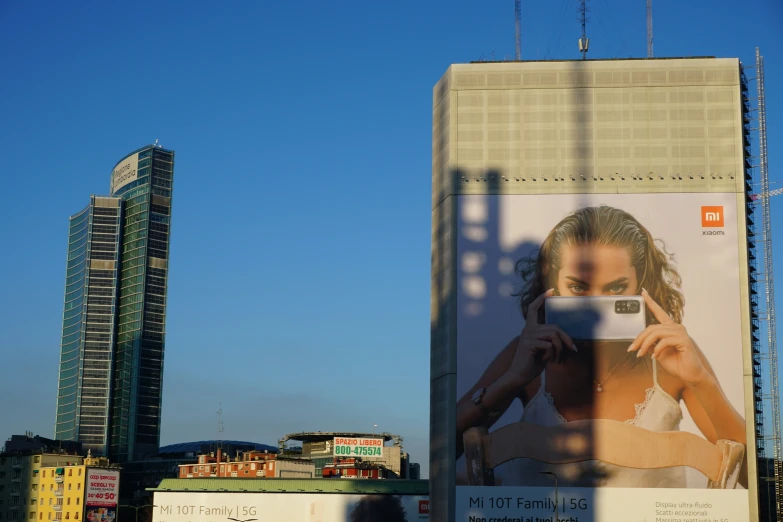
<point>712,216</point>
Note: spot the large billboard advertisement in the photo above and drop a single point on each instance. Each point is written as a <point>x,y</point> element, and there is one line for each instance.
<point>103,488</point>
<point>600,358</point>
<point>289,507</point>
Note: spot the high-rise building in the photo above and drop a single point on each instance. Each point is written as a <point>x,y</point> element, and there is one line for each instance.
<point>536,161</point>
<point>111,361</point>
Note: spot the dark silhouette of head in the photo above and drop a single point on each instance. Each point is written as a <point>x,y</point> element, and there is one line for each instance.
<point>378,508</point>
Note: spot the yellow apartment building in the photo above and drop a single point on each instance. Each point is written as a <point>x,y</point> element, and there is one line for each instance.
<point>61,490</point>
<point>24,482</point>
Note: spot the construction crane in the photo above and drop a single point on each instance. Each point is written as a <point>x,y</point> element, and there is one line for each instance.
<point>767,394</point>
<point>757,197</point>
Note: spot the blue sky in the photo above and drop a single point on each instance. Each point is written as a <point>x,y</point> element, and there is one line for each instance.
<point>299,286</point>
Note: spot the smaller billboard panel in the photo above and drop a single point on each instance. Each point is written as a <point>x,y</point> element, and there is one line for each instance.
<point>125,172</point>
<point>103,487</point>
<point>358,447</point>
<point>288,507</point>
<point>101,514</point>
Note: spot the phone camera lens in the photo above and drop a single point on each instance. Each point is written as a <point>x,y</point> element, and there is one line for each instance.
<point>633,307</point>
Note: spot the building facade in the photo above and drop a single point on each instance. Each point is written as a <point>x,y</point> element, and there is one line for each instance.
<point>291,500</point>
<point>251,464</point>
<point>60,489</point>
<point>318,447</point>
<point>89,314</point>
<point>20,482</point>
<point>517,147</point>
<point>111,361</point>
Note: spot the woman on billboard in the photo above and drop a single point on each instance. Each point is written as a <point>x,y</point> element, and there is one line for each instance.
<point>601,252</point>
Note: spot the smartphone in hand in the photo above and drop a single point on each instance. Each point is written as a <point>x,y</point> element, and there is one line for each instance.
<point>597,318</point>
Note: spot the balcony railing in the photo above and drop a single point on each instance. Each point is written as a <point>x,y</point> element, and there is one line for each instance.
<point>57,507</point>
<point>58,492</point>
<point>58,479</point>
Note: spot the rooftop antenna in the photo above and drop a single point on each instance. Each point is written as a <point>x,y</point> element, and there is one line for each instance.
<point>584,41</point>
<point>649,30</point>
<point>518,28</point>
<point>156,143</point>
<point>220,426</point>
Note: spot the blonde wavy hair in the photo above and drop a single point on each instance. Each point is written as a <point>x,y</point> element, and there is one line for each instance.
<point>605,225</point>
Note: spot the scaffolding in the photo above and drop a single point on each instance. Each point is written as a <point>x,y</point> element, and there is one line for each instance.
<point>762,289</point>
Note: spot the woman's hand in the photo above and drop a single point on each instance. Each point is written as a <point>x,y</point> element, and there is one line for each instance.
<point>538,345</point>
<point>671,346</point>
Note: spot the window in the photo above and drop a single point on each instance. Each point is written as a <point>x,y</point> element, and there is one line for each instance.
<point>80,472</point>
<point>76,515</point>
<point>50,501</point>
<point>40,515</point>
<point>35,487</point>
<point>32,515</point>
<point>50,516</point>
<point>70,472</point>
<point>78,500</point>
<point>44,473</point>
<point>37,459</point>
<point>79,486</point>
<point>69,501</point>
<point>69,486</point>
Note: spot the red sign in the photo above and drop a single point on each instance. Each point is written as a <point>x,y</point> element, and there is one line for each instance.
<point>103,487</point>
<point>424,507</point>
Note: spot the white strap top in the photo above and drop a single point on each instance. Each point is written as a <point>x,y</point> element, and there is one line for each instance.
<point>658,412</point>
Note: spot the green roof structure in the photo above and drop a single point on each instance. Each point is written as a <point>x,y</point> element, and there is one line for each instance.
<point>287,485</point>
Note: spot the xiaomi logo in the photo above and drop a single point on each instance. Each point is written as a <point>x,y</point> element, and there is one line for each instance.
<point>712,217</point>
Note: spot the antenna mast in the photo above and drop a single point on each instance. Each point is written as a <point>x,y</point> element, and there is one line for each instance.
<point>518,28</point>
<point>220,426</point>
<point>584,41</point>
<point>649,30</point>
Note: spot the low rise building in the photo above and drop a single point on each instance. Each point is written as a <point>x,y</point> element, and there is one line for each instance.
<point>290,500</point>
<point>21,461</point>
<point>62,491</point>
<point>319,447</point>
<point>250,464</point>
<point>355,469</point>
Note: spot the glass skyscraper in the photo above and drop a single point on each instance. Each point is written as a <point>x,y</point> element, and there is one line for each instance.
<point>111,362</point>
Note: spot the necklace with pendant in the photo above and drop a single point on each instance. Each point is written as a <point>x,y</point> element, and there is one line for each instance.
<point>599,385</point>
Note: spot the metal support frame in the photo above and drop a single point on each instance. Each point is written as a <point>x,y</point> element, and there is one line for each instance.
<point>765,353</point>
